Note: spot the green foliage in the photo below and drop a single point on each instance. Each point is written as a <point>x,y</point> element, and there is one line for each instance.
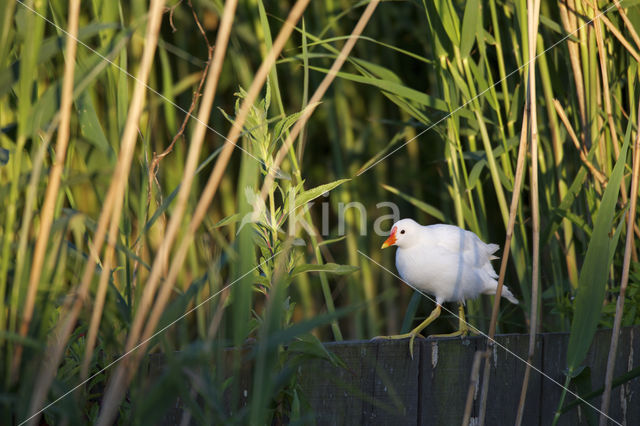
<point>426,113</point>
<point>593,275</point>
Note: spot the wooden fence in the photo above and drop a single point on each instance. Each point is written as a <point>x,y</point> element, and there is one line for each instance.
<point>382,385</point>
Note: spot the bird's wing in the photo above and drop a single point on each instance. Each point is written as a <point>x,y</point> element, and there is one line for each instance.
<point>471,249</point>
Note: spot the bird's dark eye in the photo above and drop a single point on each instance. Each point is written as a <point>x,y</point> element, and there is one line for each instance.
<point>402,232</point>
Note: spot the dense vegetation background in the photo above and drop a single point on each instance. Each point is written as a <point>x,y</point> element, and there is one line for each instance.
<point>127,228</point>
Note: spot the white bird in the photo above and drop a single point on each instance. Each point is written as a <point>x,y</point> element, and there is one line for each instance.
<point>447,262</point>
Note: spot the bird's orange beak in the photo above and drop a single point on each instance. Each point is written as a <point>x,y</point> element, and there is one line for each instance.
<point>391,240</point>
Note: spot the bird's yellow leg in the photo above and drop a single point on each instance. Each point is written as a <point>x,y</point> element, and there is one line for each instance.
<point>416,331</point>
<point>463,326</point>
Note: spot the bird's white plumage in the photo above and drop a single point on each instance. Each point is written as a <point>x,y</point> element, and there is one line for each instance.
<point>446,261</point>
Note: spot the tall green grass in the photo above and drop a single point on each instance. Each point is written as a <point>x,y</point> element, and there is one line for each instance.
<point>415,64</point>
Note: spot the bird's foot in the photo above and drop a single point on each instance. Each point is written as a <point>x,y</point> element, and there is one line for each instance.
<point>411,336</point>
<point>454,334</point>
<point>463,332</point>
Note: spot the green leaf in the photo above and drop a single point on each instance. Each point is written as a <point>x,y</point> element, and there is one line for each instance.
<point>50,47</point>
<point>285,336</point>
<point>516,104</point>
<point>90,124</point>
<point>483,87</point>
<point>178,306</point>
<point>401,90</point>
<point>331,241</point>
<point>309,345</point>
<point>400,136</point>
<point>411,312</point>
<point>472,14</point>
<point>87,71</point>
<point>443,45</point>
<point>331,268</point>
<point>560,211</point>
<point>624,378</point>
<point>9,336</point>
<point>228,220</point>
<point>314,193</point>
<point>326,42</point>
<point>582,383</point>
<point>427,208</point>
<point>593,275</point>
<point>474,176</point>
<point>557,28</point>
<point>285,124</point>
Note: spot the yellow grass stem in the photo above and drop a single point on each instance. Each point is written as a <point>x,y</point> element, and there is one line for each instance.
<point>627,23</point>
<point>624,281</point>
<point>623,41</point>
<point>581,150</point>
<point>48,207</point>
<point>317,96</point>
<point>517,185</point>
<point>309,109</point>
<point>533,10</point>
<point>123,373</point>
<point>608,110</point>
<point>571,26</point>
<point>71,310</point>
<point>159,265</point>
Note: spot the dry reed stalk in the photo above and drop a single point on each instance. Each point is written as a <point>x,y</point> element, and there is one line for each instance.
<point>473,384</point>
<point>191,164</point>
<point>617,34</point>
<point>606,94</point>
<point>517,185</point>
<point>72,308</point>
<point>216,174</point>
<point>624,280</point>
<point>583,156</point>
<point>51,195</point>
<point>29,206</point>
<point>533,12</point>
<point>628,24</point>
<point>101,293</point>
<point>317,96</point>
<point>217,317</point>
<point>607,106</point>
<point>211,75</point>
<point>124,371</point>
<point>233,136</point>
<point>571,27</point>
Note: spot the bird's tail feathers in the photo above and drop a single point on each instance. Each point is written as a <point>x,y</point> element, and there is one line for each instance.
<point>506,293</point>
<point>493,248</point>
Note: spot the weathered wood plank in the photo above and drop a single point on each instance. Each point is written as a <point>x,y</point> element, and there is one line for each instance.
<point>339,395</point>
<point>395,390</point>
<point>627,357</point>
<point>506,378</point>
<point>628,394</point>
<point>444,379</point>
<point>554,355</point>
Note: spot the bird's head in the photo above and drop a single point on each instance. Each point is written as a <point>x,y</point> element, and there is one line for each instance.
<point>404,233</point>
